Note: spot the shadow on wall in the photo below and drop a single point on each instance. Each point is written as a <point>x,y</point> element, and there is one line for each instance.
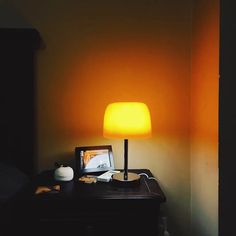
<point>11,18</point>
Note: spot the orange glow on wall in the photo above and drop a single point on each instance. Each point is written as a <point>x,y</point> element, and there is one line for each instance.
<point>124,72</point>
<point>204,118</point>
<point>205,73</point>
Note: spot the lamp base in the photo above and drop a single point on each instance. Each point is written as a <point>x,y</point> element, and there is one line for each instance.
<point>133,179</point>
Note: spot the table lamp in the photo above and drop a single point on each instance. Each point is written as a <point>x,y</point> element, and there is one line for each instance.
<point>126,120</point>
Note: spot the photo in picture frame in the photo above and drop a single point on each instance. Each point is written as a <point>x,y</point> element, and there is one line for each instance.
<point>91,159</point>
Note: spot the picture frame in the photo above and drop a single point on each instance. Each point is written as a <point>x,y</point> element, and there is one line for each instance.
<point>90,159</point>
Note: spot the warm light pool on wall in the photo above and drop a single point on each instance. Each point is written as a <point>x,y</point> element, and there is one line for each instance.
<point>125,120</point>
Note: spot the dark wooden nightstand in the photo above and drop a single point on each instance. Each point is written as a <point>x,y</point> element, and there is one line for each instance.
<point>98,208</point>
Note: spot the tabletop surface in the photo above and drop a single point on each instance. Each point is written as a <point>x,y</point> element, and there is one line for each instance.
<point>147,189</point>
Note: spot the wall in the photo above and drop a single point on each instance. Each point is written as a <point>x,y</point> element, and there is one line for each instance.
<point>97,52</point>
<point>204,118</point>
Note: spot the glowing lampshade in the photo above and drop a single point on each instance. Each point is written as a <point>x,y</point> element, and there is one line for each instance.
<point>127,120</point>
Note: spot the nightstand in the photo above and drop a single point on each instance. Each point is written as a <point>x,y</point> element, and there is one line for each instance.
<point>98,208</point>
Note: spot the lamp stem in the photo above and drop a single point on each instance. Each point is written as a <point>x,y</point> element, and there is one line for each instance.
<point>125,159</point>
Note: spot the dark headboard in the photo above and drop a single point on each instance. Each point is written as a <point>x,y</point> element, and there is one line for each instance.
<point>17,90</point>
